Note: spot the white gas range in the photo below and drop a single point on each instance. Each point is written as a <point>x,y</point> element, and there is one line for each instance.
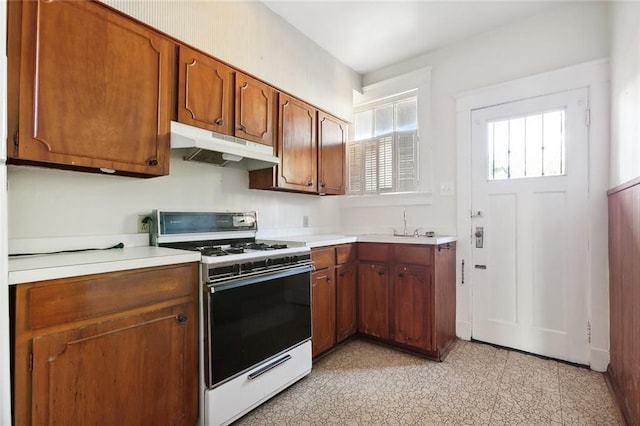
<point>255,309</point>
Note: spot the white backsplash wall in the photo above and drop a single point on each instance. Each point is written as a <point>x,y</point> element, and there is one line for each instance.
<point>569,34</point>
<point>56,203</point>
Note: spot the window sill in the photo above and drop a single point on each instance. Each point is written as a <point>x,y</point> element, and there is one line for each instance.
<point>382,200</point>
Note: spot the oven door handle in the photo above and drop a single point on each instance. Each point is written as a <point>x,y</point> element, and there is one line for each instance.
<point>269,367</point>
<point>242,281</point>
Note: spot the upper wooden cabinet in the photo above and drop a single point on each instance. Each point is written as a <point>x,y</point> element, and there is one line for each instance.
<point>254,104</point>
<point>95,89</point>
<point>296,145</point>
<point>205,92</point>
<point>311,148</point>
<point>332,137</point>
<point>296,149</point>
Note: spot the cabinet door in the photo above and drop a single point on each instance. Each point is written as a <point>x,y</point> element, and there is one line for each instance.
<point>255,102</point>
<point>141,369</point>
<point>95,90</point>
<point>332,137</point>
<point>412,306</point>
<point>373,300</point>
<point>323,310</point>
<point>346,299</point>
<point>205,92</point>
<point>296,145</point>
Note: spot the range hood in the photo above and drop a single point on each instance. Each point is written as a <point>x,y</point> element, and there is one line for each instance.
<point>215,148</point>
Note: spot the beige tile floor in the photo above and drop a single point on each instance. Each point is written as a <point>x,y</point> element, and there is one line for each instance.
<point>366,384</point>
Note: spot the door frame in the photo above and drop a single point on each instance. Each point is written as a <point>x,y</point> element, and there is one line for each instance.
<point>594,76</point>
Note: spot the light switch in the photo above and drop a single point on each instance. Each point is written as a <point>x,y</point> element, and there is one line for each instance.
<point>447,188</point>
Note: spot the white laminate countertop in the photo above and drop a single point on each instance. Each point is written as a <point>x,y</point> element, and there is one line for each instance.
<point>24,269</point>
<point>323,240</point>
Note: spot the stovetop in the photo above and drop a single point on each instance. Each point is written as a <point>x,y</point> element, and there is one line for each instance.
<point>223,238</point>
<point>237,248</point>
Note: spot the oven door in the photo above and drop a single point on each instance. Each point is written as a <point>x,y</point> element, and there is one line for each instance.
<point>249,320</point>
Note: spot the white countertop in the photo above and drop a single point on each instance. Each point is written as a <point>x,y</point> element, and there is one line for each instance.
<point>323,240</point>
<point>393,239</point>
<point>24,269</point>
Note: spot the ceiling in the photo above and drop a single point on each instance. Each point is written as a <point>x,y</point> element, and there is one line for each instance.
<point>369,35</point>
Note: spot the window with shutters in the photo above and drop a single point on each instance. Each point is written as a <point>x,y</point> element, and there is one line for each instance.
<point>383,153</point>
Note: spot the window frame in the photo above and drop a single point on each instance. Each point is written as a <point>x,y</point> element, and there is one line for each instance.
<point>385,88</point>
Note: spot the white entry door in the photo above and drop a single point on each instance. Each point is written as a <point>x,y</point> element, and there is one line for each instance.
<point>530,223</point>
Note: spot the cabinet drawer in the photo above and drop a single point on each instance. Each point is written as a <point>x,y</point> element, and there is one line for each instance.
<point>345,253</point>
<point>412,253</point>
<point>323,257</point>
<point>73,299</point>
<point>373,252</point>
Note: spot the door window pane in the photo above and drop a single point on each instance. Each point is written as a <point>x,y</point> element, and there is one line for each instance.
<point>530,146</point>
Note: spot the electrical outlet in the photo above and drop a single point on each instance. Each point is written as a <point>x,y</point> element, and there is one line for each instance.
<point>144,223</point>
<point>305,221</point>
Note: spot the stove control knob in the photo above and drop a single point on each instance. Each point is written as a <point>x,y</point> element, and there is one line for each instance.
<point>247,266</point>
<point>294,259</point>
<point>268,263</point>
<point>235,269</point>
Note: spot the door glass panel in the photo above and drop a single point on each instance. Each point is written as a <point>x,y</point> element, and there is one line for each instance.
<point>529,146</point>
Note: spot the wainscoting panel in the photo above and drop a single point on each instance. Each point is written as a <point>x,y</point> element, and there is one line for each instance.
<point>624,297</point>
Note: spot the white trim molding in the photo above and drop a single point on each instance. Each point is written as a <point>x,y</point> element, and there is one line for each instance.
<point>593,75</point>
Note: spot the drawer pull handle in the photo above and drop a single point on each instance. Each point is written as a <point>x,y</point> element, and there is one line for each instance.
<point>182,319</point>
<point>268,367</point>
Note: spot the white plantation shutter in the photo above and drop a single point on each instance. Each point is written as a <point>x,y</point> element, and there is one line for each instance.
<point>370,166</point>
<point>385,163</point>
<point>407,161</point>
<point>355,167</point>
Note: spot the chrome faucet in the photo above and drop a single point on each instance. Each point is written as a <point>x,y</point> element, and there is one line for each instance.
<point>404,219</point>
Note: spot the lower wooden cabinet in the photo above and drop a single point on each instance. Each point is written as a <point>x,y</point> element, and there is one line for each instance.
<point>412,306</point>
<point>373,300</point>
<point>115,348</point>
<point>346,301</point>
<point>323,308</point>
<point>407,295</point>
<point>333,296</point>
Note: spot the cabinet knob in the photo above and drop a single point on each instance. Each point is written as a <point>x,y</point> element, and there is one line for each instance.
<point>401,274</point>
<point>182,319</point>
<point>380,273</point>
<point>310,183</point>
<point>322,184</point>
<point>243,128</point>
<point>219,121</point>
<point>153,162</point>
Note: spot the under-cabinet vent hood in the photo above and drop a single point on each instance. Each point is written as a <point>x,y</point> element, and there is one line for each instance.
<point>215,148</point>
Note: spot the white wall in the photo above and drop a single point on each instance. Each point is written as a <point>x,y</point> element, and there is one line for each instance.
<point>625,92</point>
<point>54,203</point>
<point>562,36</point>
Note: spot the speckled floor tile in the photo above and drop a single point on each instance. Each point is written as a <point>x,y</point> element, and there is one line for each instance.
<point>363,384</point>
